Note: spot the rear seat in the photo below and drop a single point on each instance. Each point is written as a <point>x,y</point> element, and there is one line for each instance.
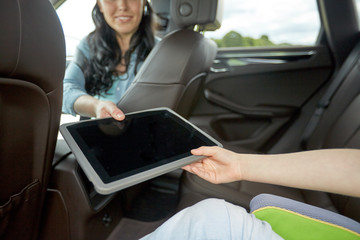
<point>338,127</point>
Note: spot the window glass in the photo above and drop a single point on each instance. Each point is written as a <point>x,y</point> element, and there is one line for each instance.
<point>268,23</point>
<point>75,18</point>
<point>357,3</point>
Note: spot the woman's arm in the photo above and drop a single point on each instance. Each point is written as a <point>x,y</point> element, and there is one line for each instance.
<point>75,98</point>
<point>330,170</point>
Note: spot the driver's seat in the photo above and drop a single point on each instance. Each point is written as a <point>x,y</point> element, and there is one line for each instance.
<point>32,66</point>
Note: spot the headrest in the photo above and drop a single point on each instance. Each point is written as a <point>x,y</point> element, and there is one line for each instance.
<point>32,46</point>
<point>207,14</point>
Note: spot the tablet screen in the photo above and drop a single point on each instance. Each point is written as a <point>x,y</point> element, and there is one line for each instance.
<point>142,141</point>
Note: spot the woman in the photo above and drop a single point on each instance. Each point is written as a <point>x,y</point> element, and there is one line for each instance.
<point>108,58</point>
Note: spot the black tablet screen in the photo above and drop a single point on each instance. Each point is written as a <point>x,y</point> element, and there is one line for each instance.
<point>140,142</point>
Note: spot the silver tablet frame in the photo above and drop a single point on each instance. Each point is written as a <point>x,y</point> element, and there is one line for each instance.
<point>108,188</point>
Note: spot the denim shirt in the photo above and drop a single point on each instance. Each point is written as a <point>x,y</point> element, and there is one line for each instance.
<point>74,81</point>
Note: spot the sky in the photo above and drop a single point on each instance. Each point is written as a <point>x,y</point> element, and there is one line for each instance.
<point>295,21</point>
<point>291,21</point>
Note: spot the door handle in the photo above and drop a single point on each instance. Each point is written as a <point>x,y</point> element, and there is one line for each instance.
<point>219,70</point>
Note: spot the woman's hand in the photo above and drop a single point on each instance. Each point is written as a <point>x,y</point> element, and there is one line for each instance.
<point>105,109</point>
<point>219,166</point>
<point>89,106</point>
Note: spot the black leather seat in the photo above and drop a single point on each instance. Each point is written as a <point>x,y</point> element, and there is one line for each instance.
<point>32,65</point>
<point>176,66</point>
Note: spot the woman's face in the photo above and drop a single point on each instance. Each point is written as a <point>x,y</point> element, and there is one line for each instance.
<point>124,16</point>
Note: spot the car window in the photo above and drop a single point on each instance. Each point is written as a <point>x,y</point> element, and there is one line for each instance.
<point>75,18</point>
<point>357,3</point>
<point>268,23</point>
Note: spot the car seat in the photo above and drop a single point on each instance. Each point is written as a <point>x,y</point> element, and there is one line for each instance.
<point>32,66</point>
<point>177,65</point>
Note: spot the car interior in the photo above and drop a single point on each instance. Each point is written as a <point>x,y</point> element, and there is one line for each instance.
<point>252,100</point>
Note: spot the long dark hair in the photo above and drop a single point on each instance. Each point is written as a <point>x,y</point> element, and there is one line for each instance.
<point>105,52</point>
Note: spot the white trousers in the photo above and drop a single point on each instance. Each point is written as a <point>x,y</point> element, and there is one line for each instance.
<point>213,219</point>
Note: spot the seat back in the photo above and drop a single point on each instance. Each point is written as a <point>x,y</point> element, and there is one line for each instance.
<point>340,122</point>
<point>175,68</point>
<point>32,65</point>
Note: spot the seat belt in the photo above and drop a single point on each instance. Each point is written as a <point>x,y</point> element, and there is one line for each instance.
<point>81,61</point>
<point>325,101</point>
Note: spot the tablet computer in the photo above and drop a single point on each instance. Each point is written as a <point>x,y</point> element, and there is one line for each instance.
<point>118,154</point>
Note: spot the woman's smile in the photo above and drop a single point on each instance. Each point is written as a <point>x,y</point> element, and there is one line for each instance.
<point>123,16</point>
<point>123,19</point>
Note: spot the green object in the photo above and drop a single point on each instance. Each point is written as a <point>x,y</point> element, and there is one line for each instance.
<point>293,226</point>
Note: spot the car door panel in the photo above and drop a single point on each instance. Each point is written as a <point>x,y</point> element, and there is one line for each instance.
<point>252,94</point>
